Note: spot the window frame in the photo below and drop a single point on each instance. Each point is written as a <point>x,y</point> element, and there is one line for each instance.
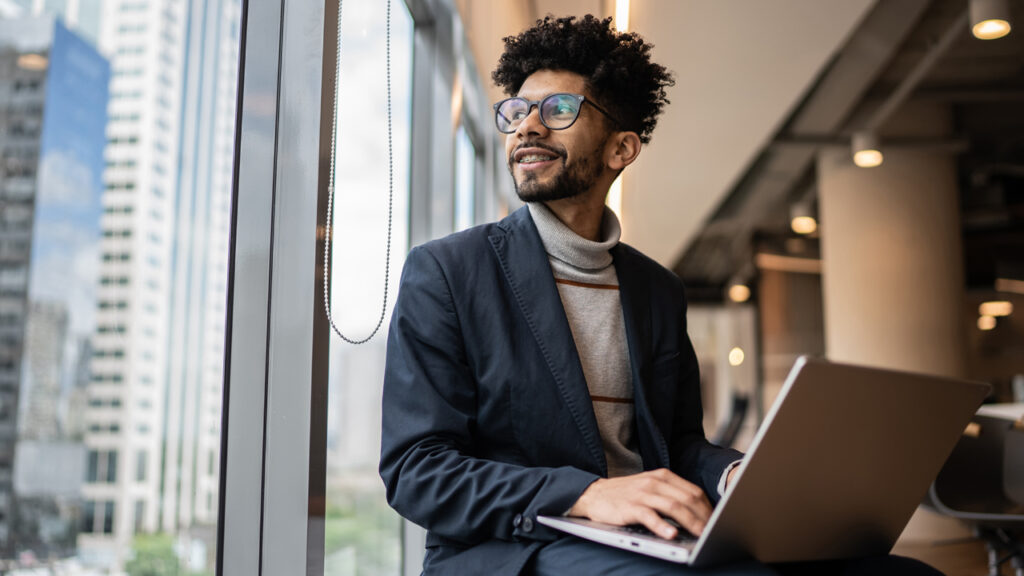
<point>272,495</point>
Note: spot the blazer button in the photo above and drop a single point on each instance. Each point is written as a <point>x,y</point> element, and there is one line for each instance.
<point>517,520</point>
<point>527,525</point>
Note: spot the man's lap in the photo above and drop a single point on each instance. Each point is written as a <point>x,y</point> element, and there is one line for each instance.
<point>568,556</point>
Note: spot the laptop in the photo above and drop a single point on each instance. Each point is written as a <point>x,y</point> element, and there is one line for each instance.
<point>843,458</point>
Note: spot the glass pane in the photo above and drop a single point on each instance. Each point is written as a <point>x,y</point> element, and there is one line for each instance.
<point>362,534</point>
<point>116,156</point>
<point>465,188</point>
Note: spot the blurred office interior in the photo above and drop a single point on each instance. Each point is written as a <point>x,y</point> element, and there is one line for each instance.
<point>750,191</point>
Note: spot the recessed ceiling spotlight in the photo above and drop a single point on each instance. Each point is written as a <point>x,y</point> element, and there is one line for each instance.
<point>996,308</point>
<point>739,292</point>
<point>866,153</point>
<point>990,19</point>
<point>802,218</point>
<point>986,323</point>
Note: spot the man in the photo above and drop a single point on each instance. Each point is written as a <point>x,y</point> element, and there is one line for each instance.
<point>537,365</point>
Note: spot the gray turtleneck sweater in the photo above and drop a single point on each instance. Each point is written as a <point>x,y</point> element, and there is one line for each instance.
<point>589,290</point>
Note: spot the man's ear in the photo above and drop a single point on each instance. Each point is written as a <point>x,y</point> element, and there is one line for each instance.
<point>622,150</point>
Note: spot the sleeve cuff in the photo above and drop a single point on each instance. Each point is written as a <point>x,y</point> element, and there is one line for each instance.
<point>725,477</point>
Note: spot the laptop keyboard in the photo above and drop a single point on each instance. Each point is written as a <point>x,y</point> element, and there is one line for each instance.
<point>682,535</point>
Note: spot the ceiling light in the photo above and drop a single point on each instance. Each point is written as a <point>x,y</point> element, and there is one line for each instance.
<point>622,15</point>
<point>986,322</point>
<point>990,19</point>
<point>804,225</point>
<point>865,150</point>
<point>739,293</point>
<point>32,62</point>
<point>802,218</point>
<point>996,308</point>
<point>736,356</point>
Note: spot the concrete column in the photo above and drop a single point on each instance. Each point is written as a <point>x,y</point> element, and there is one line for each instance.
<point>893,283</point>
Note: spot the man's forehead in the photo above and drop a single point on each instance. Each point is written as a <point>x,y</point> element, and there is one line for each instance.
<point>544,82</point>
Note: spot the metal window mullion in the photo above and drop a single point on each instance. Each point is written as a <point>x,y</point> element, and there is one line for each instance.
<point>269,346</point>
<point>423,57</point>
<point>293,293</point>
<point>423,162</point>
<point>245,378</point>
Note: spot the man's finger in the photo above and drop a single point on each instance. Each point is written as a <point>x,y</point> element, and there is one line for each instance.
<point>656,524</point>
<point>696,501</point>
<point>677,511</point>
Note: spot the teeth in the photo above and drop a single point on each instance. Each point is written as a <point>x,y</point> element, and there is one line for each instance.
<point>533,158</point>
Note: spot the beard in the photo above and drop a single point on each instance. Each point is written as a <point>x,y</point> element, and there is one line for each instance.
<point>572,180</point>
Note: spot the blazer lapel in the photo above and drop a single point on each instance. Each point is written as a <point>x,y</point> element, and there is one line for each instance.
<point>526,267</point>
<point>636,311</point>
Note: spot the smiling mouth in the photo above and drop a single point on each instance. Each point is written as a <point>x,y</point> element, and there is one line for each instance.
<point>533,155</point>
<point>533,158</point>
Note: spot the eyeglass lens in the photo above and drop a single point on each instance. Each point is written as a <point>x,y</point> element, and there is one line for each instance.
<point>557,112</point>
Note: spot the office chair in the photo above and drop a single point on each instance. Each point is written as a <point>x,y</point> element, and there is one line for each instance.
<point>726,434</point>
<point>982,484</point>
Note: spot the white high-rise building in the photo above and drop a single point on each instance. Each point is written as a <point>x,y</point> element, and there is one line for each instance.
<point>145,41</point>
<point>200,269</point>
<point>154,410</point>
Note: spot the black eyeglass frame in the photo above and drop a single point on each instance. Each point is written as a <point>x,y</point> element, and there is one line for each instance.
<point>531,104</point>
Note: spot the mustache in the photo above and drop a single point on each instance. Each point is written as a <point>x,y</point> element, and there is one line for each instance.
<point>558,152</point>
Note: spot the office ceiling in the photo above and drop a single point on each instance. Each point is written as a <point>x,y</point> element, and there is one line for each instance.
<point>741,67</point>
<point>982,81</point>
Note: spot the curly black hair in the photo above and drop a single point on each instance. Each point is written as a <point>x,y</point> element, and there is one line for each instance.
<point>617,66</point>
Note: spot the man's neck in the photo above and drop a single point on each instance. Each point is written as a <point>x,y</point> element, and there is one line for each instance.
<point>582,215</point>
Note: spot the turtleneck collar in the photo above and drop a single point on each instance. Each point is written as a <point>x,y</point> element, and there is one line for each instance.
<point>562,243</point>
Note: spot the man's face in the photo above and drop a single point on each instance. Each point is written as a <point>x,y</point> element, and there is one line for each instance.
<point>550,164</point>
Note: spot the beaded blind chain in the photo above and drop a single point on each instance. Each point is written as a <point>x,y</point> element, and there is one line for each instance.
<point>333,179</point>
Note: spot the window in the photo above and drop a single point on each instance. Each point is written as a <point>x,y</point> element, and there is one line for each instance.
<point>112,389</point>
<point>465,185</point>
<point>93,466</point>
<point>359,525</point>
<point>132,28</point>
<point>361,533</point>
<point>108,517</point>
<point>102,464</point>
<point>88,517</point>
<point>111,466</point>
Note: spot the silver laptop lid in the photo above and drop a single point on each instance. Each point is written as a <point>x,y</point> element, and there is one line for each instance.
<point>839,465</point>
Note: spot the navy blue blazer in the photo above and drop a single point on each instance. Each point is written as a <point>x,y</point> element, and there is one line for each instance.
<point>487,419</point>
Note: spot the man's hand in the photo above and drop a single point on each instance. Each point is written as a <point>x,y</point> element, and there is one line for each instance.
<point>643,499</point>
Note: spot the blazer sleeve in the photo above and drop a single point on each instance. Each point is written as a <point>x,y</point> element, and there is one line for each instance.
<point>693,457</point>
<point>429,418</point>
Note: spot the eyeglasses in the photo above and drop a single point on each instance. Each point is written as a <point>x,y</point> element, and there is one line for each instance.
<point>557,111</point>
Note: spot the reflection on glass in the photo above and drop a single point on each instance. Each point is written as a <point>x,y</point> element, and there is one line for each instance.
<point>116,153</point>
<point>362,534</point>
<point>465,170</point>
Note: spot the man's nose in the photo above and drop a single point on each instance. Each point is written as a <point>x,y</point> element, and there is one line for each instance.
<point>531,125</point>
